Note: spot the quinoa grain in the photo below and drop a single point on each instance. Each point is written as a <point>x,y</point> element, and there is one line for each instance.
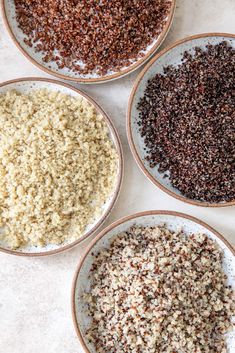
<point>187,120</point>
<point>92,36</point>
<point>158,291</point>
<point>58,167</point>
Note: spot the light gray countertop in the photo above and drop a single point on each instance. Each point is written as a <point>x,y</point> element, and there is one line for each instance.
<point>35,313</point>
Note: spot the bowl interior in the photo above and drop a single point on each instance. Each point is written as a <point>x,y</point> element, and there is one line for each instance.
<point>26,87</point>
<point>172,57</point>
<point>173,222</point>
<point>9,6</point>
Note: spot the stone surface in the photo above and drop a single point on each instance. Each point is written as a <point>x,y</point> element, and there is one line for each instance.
<point>35,311</point>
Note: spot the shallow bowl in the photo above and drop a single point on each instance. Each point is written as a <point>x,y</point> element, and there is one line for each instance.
<point>25,85</point>
<point>8,11</point>
<point>172,55</point>
<point>173,221</point>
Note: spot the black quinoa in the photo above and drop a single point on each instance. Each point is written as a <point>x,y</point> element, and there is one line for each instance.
<point>187,120</point>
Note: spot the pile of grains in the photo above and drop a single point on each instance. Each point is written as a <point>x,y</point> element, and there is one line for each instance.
<point>58,166</point>
<point>187,120</point>
<point>92,36</point>
<point>155,291</point>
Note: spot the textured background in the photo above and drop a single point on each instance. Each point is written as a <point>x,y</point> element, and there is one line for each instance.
<point>35,312</point>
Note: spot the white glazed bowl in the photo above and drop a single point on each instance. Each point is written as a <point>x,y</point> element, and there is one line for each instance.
<point>173,221</point>
<point>172,55</point>
<point>25,85</point>
<point>8,11</point>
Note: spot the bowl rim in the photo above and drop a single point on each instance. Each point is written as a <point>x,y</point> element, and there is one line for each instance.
<point>104,79</point>
<point>118,145</point>
<point>111,227</point>
<point>129,119</point>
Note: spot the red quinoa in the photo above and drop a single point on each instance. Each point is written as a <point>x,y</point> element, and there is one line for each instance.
<point>105,35</point>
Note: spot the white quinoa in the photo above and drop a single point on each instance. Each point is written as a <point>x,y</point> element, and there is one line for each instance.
<point>58,166</point>
<point>156,291</point>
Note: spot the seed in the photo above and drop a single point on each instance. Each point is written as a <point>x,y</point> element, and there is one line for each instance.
<point>154,290</point>
<point>55,179</point>
<point>187,120</point>
<point>104,35</point>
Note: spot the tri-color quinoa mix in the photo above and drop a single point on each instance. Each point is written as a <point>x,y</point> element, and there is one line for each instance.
<point>187,120</point>
<point>92,36</point>
<point>158,291</point>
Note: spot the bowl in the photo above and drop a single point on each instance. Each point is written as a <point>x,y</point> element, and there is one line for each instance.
<point>172,55</point>
<point>173,221</point>
<point>25,85</point>
<point>8,11</point>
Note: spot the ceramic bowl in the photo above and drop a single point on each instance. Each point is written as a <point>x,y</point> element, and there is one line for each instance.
<point>26,85</point>
<point>173,221</point>
<point>172,55</point>
<point>8,11</point>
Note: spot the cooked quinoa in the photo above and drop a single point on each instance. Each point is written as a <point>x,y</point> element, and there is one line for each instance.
<point>187,122</point>
<point>157,291</point>
<point>58,166</point>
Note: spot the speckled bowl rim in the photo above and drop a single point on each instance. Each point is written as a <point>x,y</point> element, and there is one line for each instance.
<point>107,78</point>
<point>116,193</point>
<point>111,227</point>
<point>129,118</point>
